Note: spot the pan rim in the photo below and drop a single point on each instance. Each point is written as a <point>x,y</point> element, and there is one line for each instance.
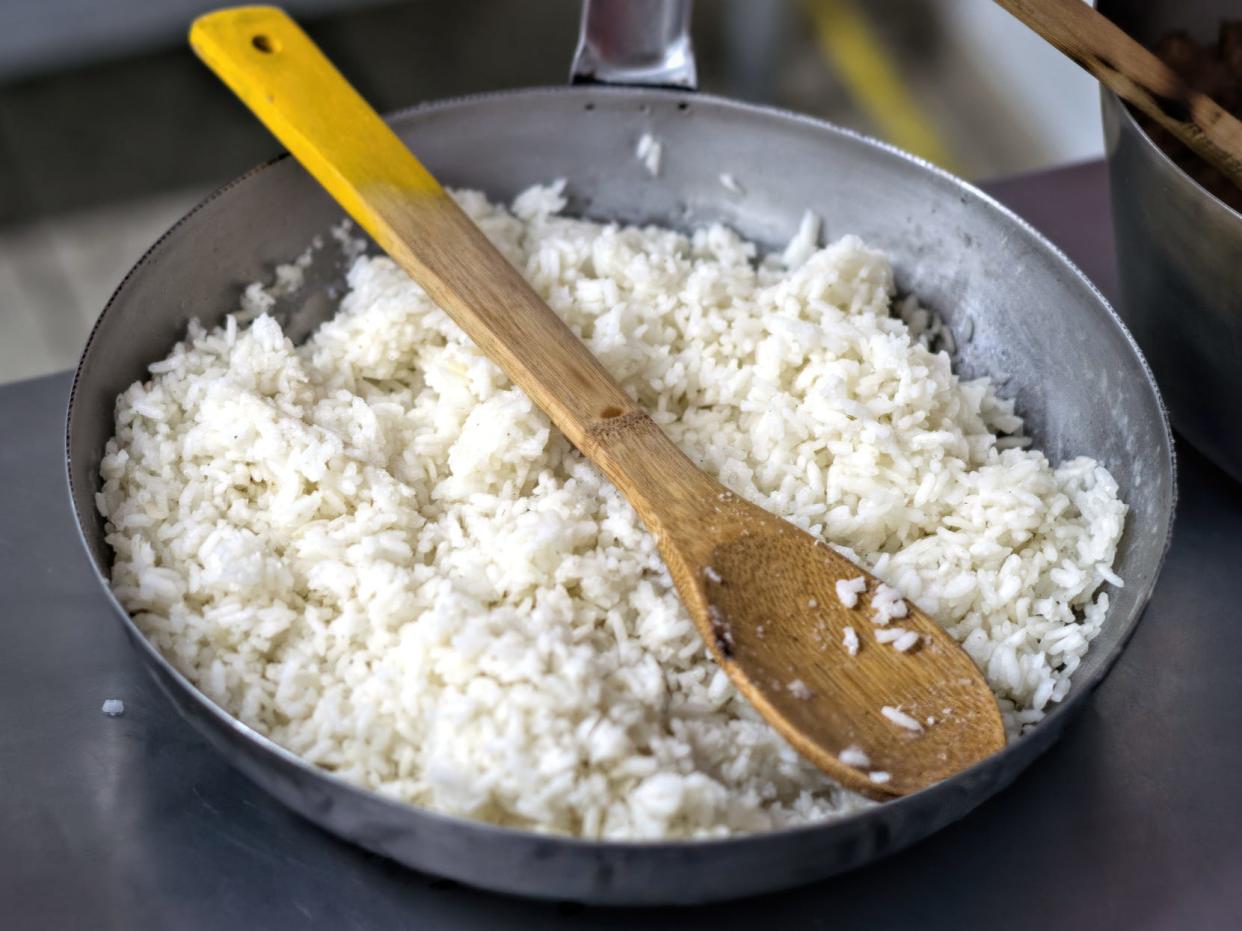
<point>845,824</point>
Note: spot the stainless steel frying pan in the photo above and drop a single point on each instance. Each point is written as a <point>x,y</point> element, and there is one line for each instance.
<point>1038,325</point>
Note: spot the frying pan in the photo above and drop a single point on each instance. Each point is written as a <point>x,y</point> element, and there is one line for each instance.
<point>1036,324</point>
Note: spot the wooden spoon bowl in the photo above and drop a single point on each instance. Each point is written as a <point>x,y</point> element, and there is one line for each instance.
<point>763,594</point>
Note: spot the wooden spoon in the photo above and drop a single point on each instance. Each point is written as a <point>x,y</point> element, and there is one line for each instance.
<point>762,593</point>
<point>1133,73</point>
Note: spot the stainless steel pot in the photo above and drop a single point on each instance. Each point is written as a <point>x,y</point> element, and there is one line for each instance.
<point>1179,250</point>
<point>1038,324</point>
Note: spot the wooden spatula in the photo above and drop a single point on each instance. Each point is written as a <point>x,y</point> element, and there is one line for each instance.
<point>762,593</point>
<point>1138,77</point>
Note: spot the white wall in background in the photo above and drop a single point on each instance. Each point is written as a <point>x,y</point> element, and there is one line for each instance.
<point>1060,100</point>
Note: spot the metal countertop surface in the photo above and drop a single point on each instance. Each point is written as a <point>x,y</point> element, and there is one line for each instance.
<point>1133,820</point>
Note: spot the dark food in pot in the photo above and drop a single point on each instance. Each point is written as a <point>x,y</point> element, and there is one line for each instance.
<point>1217,71</point>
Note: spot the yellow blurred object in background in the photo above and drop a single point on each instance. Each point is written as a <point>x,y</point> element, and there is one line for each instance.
<point>853,51</point>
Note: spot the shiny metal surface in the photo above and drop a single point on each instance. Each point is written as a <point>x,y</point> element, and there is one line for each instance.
<point>1179,250</point>
<point>1036,322</point>
<point>635,42</point>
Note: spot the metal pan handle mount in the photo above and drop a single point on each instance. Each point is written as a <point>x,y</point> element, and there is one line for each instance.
<point>644,42</point>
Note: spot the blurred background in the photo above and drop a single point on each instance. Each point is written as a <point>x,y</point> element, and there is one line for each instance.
<point>110,129</point>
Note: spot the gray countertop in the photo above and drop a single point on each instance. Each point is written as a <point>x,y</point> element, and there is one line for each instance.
<point>1132,821</point>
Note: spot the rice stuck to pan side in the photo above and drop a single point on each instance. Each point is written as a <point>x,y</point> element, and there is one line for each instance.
<point>374,549</point>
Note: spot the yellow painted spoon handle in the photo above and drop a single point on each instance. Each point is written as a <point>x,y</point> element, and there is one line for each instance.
<point>280,74</point>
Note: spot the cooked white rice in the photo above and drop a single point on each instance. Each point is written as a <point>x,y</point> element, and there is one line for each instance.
<point>890,634</point>
<point>887,604</point>
<point>900,718</point>
<point>848,590</point>
<point>854,755</point>
<point>907,641</point>
<point>374,549</point>
<point>648,152</point>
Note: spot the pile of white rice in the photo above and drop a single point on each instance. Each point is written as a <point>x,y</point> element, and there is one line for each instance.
<point>374,549</point>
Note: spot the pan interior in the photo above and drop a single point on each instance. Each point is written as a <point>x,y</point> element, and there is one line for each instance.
<point>1036,326</point>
